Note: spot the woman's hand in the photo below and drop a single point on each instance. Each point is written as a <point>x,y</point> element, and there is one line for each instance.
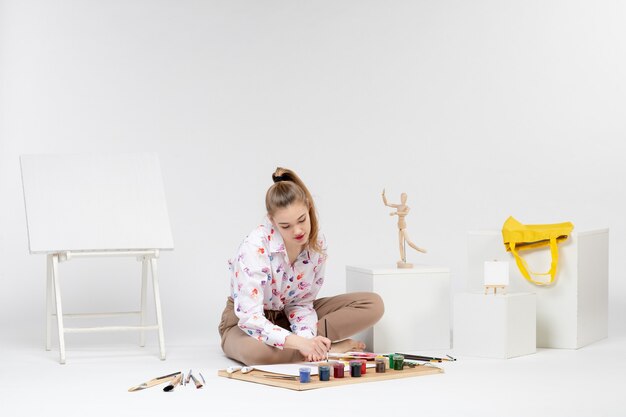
<point>313,350</point>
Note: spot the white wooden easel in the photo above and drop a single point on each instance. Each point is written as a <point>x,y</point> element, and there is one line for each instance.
<point>114,208</point>
<point>148,259</point>
<point>495,288</point>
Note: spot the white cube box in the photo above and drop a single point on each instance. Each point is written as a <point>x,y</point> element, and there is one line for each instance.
<point>572,312</point>
<point>417,307</point>
<point>494,326</point>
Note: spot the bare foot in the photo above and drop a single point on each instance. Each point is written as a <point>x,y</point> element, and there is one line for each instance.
<point>348,345</point>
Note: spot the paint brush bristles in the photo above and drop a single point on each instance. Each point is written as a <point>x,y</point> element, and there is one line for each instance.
<point>175,381</point>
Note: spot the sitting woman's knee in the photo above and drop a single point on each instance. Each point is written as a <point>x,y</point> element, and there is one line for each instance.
<point>378,305</point>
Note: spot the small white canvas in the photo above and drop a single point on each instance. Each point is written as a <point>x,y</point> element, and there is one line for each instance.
<point>87,202</point>
<point>496,273</point>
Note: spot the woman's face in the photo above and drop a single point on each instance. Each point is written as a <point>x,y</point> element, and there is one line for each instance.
<point>293,224</point>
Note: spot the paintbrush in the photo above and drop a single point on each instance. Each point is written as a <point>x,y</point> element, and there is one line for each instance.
<point>326,334</point>
<point>177,379</point>
<point>326,328</point>
<point>427,358</point>
<point>156,381</point>
<point>284,377</point>
<point>195,381</point>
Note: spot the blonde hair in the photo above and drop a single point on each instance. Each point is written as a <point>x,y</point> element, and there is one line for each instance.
<point>287,189</point>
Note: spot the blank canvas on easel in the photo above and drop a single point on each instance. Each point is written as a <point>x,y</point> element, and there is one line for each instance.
<point>95,202</point>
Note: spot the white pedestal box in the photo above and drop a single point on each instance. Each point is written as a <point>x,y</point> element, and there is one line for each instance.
<point>494,326</point>
<point>417,307</point>
<point>572,312</point>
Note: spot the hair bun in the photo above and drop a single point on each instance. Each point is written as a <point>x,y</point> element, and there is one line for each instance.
<point>279,178</point>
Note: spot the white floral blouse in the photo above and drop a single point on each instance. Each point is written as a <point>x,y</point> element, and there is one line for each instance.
<point>263,279</point>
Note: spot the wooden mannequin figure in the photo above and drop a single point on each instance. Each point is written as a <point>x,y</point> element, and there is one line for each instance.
<point>401,211</point>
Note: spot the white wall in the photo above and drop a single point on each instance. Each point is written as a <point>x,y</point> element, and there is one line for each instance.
<point>476,109</point>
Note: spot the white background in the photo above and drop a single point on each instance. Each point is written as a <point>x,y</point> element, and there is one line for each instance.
<point>477,109</point>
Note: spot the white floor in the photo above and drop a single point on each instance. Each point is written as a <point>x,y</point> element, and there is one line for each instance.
<point>586,382</point>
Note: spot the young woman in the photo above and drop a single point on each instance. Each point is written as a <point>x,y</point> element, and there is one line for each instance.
<point>273,314</point>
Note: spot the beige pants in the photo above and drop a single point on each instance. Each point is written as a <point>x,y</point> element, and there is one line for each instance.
<point>345,315</point>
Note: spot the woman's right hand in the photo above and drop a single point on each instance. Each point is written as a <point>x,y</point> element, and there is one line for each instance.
<point>313,350</point>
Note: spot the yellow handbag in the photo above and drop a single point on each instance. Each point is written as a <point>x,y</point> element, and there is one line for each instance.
<point>518,237</point>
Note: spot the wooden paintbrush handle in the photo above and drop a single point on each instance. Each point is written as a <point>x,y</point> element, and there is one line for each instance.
<point>153,382</point>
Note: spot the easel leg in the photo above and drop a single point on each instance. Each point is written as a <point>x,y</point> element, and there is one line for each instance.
<point>59,308</point>
<point>157,302</point>
<point>144,290</point>
<point>48,300</point>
